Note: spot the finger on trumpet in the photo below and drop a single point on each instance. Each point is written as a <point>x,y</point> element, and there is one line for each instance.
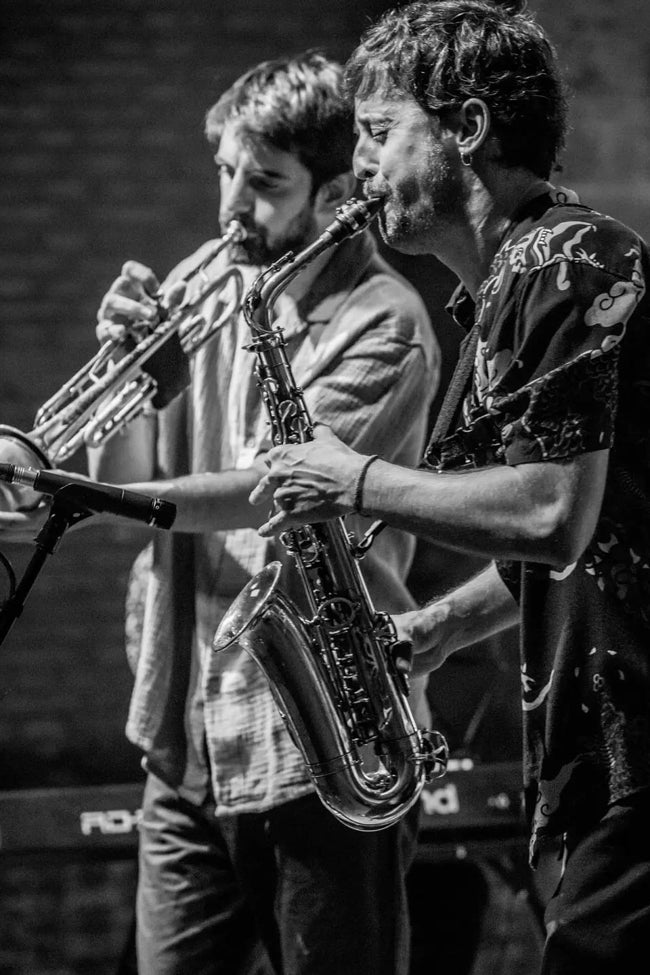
<point>115,334</point>
<point>129,306</point>
<point>136,299</point>
<point>129,311</point>
<point>131,295</point>
<point>174,296</point>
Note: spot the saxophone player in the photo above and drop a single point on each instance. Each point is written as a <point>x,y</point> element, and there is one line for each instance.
<point>235,847</point>
<point>544,469</point>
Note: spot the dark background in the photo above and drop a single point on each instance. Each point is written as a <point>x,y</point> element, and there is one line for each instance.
<point>102,158</point>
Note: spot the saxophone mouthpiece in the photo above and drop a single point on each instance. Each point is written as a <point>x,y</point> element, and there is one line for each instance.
<point>353,217</point>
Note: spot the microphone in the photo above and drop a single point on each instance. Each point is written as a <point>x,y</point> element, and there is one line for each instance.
<point>93,496</point>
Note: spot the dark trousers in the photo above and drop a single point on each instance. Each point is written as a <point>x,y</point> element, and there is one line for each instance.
<point>598,920</point>
<point>322,898</point>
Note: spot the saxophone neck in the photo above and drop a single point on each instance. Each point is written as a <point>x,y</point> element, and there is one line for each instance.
<point>351,219</point>
<point>265,290</point>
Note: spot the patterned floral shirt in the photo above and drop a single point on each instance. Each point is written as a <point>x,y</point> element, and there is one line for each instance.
<point>562,367</point>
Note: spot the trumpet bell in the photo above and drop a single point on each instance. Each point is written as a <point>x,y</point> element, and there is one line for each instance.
<point>19,449</point>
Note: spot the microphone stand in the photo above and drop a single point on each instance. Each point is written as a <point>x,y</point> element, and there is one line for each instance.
<point>63,513</point>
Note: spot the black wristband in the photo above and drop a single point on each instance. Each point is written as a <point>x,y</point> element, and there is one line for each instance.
<point>358,493</point>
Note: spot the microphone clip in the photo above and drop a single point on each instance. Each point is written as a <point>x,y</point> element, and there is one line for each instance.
<point>66,510</point>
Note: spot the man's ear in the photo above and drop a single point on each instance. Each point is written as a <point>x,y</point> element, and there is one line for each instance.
<point>474,126</point>
<point>333,194</point>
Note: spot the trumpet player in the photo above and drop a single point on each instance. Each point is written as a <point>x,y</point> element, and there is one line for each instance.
<point>236,850</point>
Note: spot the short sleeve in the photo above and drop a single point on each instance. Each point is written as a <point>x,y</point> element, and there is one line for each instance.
<point>559,395</point>
<point>568,412</point>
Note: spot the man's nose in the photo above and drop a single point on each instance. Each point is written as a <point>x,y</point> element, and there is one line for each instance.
<point>364,162</point>
<point>237,198</point>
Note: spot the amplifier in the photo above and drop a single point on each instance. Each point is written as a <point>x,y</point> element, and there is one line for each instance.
<point>101,818</point>
<point>472,807</point>
<point>474,796</point>
<point>471,803</point>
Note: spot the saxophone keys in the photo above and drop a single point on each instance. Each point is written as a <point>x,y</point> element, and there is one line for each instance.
<point>434,754</point>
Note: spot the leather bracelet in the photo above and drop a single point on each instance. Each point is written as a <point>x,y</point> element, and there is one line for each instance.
<point>358,493</point>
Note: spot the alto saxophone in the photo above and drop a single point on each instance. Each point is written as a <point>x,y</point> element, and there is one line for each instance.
<point>333,675</point>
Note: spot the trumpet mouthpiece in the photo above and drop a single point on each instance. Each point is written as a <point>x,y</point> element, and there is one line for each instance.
<point>235,232</point>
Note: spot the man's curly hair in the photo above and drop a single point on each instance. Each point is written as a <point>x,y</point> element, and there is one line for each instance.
<point>446,51</point>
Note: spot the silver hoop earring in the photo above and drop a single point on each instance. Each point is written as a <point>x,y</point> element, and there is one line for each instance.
<point>466,158</point>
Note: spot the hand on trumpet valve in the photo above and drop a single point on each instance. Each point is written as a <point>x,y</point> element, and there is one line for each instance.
<point>134,305</point>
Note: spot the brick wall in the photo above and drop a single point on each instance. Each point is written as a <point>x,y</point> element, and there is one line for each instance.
<point>102,158</point>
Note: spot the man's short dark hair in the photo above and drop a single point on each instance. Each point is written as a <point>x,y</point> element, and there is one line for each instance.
<point>442,53</point>
<point>297,104</point>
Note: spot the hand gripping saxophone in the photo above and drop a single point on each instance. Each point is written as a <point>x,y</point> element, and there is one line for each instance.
<point>333,675</point>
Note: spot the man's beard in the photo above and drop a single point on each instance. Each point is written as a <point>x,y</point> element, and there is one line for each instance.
<point>256,249</point>
<point>407,231</point>
<point>411,222</point>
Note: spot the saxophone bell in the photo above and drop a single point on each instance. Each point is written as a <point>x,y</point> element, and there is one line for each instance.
<point>368,781</point>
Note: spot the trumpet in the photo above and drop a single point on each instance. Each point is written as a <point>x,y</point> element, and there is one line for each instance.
<point>104,395</point>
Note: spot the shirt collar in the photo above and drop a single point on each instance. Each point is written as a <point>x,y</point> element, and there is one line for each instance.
<point>345,269</point>
<point>532,205</point>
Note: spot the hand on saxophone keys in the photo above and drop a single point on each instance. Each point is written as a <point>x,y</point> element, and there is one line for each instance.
<point>422,642</point>
<point>309,482</point>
